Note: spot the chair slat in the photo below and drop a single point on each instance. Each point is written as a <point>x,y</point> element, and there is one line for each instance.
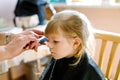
<point>117,74</point>
<point>102,50</point>
<point>111,57</point>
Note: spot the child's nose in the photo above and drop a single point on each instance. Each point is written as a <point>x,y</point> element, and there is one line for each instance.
<point>49,45</point>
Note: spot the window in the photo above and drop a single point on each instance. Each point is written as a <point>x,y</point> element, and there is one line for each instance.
<point>88,2</point>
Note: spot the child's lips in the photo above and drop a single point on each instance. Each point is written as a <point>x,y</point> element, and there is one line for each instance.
<point>52,53</point>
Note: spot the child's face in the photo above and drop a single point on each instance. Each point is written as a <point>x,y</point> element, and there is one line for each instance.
<point>60,46</point>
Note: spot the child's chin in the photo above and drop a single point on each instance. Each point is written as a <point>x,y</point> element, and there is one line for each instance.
<point>57,58</point>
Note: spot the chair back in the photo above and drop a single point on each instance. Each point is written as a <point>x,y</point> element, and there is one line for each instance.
<point>109,53</point>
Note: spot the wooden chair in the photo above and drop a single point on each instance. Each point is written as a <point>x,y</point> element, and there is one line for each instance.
<point>109,62</point>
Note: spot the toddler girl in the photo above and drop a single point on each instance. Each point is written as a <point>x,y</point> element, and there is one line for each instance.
<point>71,43</point>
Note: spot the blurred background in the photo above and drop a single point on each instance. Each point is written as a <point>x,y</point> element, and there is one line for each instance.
<point>103,14</point>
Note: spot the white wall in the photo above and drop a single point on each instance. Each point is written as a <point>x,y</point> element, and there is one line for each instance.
<point>7,8</point>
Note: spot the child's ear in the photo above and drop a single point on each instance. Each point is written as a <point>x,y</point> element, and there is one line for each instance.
<point>77,42</point>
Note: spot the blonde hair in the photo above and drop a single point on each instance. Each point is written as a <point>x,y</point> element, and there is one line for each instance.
<point>73,24</point>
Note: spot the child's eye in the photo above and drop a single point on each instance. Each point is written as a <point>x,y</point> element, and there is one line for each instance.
<point>55,41</point>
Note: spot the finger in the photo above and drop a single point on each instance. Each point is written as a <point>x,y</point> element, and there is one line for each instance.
<point>32,45</point>
<point>38,32</point>
<point>28,40</point>
<point>36,47</point>
<point>35,34</point>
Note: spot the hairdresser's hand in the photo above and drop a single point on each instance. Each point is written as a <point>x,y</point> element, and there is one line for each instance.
<point>35,33</point>
<point>18,44</point>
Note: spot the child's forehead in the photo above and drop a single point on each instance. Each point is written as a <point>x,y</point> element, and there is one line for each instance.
<point>59,33</point>
<point>54,31</point>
